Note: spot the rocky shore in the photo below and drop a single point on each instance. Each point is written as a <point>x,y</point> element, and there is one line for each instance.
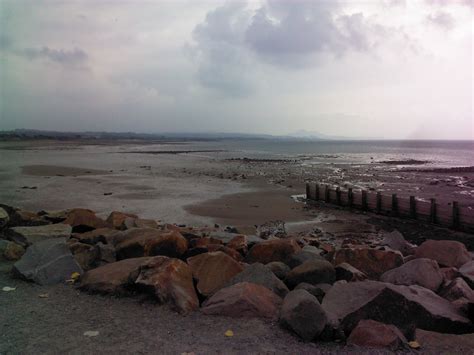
<point>350,293</point>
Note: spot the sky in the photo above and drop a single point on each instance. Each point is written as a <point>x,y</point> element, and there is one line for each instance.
<point>375,68</point>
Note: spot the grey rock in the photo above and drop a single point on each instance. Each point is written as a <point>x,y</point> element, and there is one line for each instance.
<point>47,262</point>
<point>279,269</point>
<point>26,236</point>
<point>302,257</point>
<point>318,291</point>
<point>313,272</point>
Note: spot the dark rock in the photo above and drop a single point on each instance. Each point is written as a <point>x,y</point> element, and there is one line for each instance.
<point>456,289</point>
<point>422,272</point>
<point>445,252</point>
<point>26,236</point>
<point>467,273</point>
<point>347,272</point>
<point>302,313</point>
<point>243,300</point>
<point>171,244</point>
<point>302,257</point>
<point>373,334</point>
<point>312,272</point>
<point>131,243</point>
<point>396,241</point>
<point>318,291</point>
<point>279,269</point>
<point>87,256</point>
<point>83,220</point>
<point>47,262</point>
<point>101,235</point>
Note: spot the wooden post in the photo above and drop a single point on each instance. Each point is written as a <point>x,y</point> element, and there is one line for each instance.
<point>326,194</point>
<point>308,191</point>
<point>316,192</point>
<point>455,214</point>
<point>365,205</point>
<point>338,195</point>
<point>412,207</point>
<point>379,202</point>
<point>394,205</point>
<point>350,197</point>
<point>433,211</point>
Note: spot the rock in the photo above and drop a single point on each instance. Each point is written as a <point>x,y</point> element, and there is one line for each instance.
<point>456,289</point>
<point>373,334</point>
<point>26,236</point>
<point>26,218</point>
<point>114,278</point>
<point>347,272</point>
<point>86,255</point>
<point>449,273</point>
<point>260,275</point>
<point>101,235</point>
<point>445,252</point>
<point>213,270</point>
<point>243,300</point>
<point>145,223</point>
<point>204,242</point>
<point>318,291</point>
<point>302,313</point>
<point>171,281</point>
<point>312,272</point>
<point>13,251</point>
<point>437,343</point>
<point>4,218</point>
<point>372,262</point>
<point>239,243</point>
<point>83,220</point>
<point>279,269</point>
<point>396,241</point>
<point>131,243</point>
<point>171,244</point>
<point>467,273</point>
<point>54,216</point>
<point>404,306</point>
<point>116,219</point>
<point>224,237</point>
<point>303,256</point>
<point>234,254</point>
<point>47,262</point>
<point>422,272</point>
<point>106,253</point>
<point>273,250</point>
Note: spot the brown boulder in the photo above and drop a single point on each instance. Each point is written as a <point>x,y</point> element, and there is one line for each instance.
<point>171,244</point>
<point>312,272</point>
<point>404,306</point>
<point>213,270</point>
<point>373,334</point>
<point>83,220</point>
<point>145,223</point>
<point>229,251</point>
<point>113,278</point>
<point>243,300</point>
<point>273,250</point>
<point>445,252</point>
<point>372,262</point>
<point>131,243</point>
<point>203,242</point>
<point>302,313</point>
<point>116,219</point>
<point>239,243</point>
<point>171,281</point>
<point>422,272</point>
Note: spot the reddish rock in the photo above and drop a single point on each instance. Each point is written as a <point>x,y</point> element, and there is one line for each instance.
<point>204,242</point>
<point>372,262</point>
<point>116,219</point>
<point>243,300</point>
<point>403,306</point>
<point>347,272</point>
<point>83,220</point>
<point>113,278</point>
<point>467,273</point>
<point>171,281</point>
<point>171,244</point>
<point>312,272</point>
<point>449,273</point>
<point>273,250</point>
<point>213,270</point>
<point>373,334</point>
<point>239,243</point>
<point>445,252</point>
<point>422,272</point>
<point>302,313</point>
<point>234,254</point>
<point>456,289</point>
<point>131,243</point>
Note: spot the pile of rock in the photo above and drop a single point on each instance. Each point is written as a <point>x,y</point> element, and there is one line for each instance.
<point>377,295</point>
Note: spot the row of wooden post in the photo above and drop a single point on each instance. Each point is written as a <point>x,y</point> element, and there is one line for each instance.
<point>394,206</point>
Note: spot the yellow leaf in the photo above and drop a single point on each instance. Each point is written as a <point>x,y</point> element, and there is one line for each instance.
<point>75,276</point>
<point>229,333</point>
<point>414,344</point>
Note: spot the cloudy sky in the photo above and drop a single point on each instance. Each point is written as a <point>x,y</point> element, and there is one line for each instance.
<point>373,68</point>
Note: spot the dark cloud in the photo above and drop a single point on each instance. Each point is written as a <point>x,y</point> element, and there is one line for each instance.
<point>441,19</point>
<point>72,57</point>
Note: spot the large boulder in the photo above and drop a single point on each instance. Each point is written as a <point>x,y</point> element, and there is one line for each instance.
<point>445,252</point>
<point>83,220</point>
<point>131,243</point>
<point>422,272</point>
<point>101,235</point>
<point>456,289</point>
<point>373,334</point>
<point>312,272</point>
<point>467,273</point>
<point>4,218</point>
<point>302,313</point>
<point>47,262</point>
<point>303,256</point>
<point>171,244</point>
<point>243,300</point>
<point>279,269</point>
<point>114,278</point>
<point>372,262</point>
<point>349,273</point>
<point>86,255</point>
<point>116,219</point>
<point>396,241</point>
<point>259,274</point>
<point>26,236</point>
<point>24,218</point>
<point>213,270</point>
<point>318,291</point>
<point>404,306</point>
<point>171,281</point>
<point>239,243</point>
<point>273,250</point>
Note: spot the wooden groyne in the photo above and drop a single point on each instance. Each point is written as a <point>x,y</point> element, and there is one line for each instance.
<point>449,215</point>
